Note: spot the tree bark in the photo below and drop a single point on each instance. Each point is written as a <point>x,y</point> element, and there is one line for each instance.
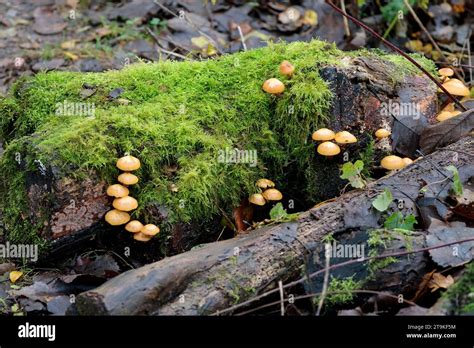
<point>218,275</point>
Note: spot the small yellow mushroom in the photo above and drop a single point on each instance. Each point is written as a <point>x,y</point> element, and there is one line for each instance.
<point>141,237</point>
<point>445,115</point>
<point>323,134</point>
<point>150,230</point>
<point>328,149</point>
<point>257,199</point>
<point>134,226</point>
<point>126,203</point>
<point>392,162</point>
<point>407,161</point>
<point>15,275</point>
<point>128,163</point>
<point>265,183</point>
<point>116,217</point>
<point>273,86</point>
<point>345,137</point>
<point>117,191</point>
<point>128,179</point>
<point>272,195</point>
<point>446,72</point>
<point>382,133</point>
<point>456,87</point>
<point>286,68</point>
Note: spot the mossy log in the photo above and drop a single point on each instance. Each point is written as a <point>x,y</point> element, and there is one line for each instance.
<point>63,132</point>
<point>218,275</point>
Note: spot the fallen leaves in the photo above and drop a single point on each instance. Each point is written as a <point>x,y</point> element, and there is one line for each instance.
<point>15,275</point>
<point>439,281</point>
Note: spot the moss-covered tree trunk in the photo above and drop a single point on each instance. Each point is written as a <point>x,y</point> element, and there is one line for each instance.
<point>62,133</point>
<point>218,275</point>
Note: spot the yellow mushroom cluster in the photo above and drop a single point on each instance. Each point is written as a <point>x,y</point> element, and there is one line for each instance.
<point>274,85</point>
<point>452,85</point>
<point>326,136</point>
<point>270,193</point>
<point>123,203</point>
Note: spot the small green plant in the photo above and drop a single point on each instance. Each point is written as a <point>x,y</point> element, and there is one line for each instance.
<point>278,213</point>
<point>353,173</point>
<point>398,221</point>
<point>383,200</point>
<point>456,185</point>
<point>340,291</point>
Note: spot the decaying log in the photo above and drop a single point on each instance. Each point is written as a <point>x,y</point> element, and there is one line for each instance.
<point>218,275</point>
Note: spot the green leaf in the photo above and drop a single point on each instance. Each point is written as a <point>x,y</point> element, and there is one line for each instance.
<point>278,212</point>
<point>396,220</point>
<point>383,200</point>
<point>456,185</point>
<point>351,171</point>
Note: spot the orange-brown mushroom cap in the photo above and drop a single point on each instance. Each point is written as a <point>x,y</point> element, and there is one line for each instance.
<point>446,72</point>
<point>128,163</point>
<point>257,199</point>
<point>126,203</point>
<point>265,183</point>
<point>345,137</point>
<point>286,68</point>
<point>117,191</point>
<point>150,230</point>
<point>134,226</point>
<point>328,149</point>
<point>456,87</point>
<point>140,237</point>
<point>116,217</point>
<point>272,195</point>
<point>382,133</point>
<point>323,134</point>
<point>392,162</point>
<point>273,86</point>
<point>128,179</point>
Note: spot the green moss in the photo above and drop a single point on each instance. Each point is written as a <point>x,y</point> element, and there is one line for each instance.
<point>461,294</point>
<point>180,114</point>
<point>343,290</point>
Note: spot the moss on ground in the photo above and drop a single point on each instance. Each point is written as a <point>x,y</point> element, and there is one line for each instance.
<point>461,294</point>
<point>180,114</point>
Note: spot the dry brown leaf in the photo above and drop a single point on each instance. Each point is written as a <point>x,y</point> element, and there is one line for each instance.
<point>439,281</point>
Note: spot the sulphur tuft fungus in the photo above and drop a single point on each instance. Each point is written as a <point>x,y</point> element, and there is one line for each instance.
<point>446,115</point>
<point>128,163</point>
<point>116,217</point>
<point>272,195</point>
<point>456,87</point>
<point>286,68</point>
<point>392,162</point>
<point>128,179</point>
<point>134,226</point>
<point>446,72</point>
<point>126,203</point>
<point>323,134</point>
<point>407,161</point>
<point>117,191</point>
<point>345,137</point>
<point>382,133</point>
<point>141,237</point>
<point>150,230</point>
<point>328,149</point>
<point>265,183</point>
<point>257,199</point>
<point>273,86</point>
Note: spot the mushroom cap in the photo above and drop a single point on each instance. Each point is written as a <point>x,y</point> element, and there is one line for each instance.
<point>257,199</point>
<point>446,72</point>
<point>323,134</point>
<point>345,137</point>
<point>265,183</point>
<point>456,87</point>
<point>150,230</point>
<point>273,86</point>
<point>15,275</point>
<point>126,203</point>
<point>286,68</point>
<point>328,149</point>
<point>116,217</point>
<point>134,226</point>
<point>117,191</point>
<point>392,162</point>
<point>382,133</point>
<point>272,195</point>
<point>445,115</point>
<point>128,179</point>
<point>141,237</point>
<point>407,161</point>
<point>128,163</point>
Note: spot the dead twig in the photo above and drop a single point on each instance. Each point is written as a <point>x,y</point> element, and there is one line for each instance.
<point>326,278</point>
